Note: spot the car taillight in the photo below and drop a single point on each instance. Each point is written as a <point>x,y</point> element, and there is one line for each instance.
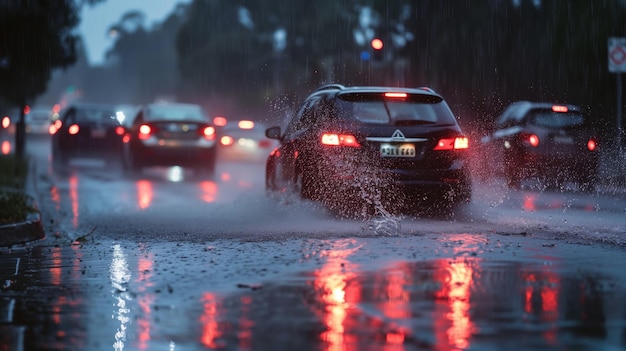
<point>227,140</point>
<point>6,122</point>
<point>145,131</point>
<point>54,127</point>
<point>531,139</point>
<point>265,144</point>
<point>591,145</point>
<point>208,133</point>
<point>73,129</point>
<point>119,130</point>
<point>457,143</point>
<point>333,139</point>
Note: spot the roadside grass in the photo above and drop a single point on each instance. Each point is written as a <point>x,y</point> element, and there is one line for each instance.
<point>15,205</point>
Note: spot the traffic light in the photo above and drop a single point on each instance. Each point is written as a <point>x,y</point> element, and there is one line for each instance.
<point>378,45</point>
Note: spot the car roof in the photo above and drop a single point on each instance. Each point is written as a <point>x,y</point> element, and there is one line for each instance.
<point>518,110</point>
<point>340,89</point>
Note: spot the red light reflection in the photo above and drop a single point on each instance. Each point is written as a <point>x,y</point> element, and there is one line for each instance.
<point>209,191</point>
<point>337,296</point>
<point>453,324</point>
<point>145,300</point>
<point>6,147</point>
<point>542,290</point>
<point>144,193</point>
<point>209,321</point>
<point>245,324</point>
<point>73,181</point>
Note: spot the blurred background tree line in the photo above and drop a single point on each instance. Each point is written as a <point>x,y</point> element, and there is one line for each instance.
<point>257,58</point>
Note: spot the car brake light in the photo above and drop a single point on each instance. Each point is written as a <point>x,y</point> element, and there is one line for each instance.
<point>208,133</point>
<point>452,144</point>
<point>396,95</point>
<point>52,129</point>
<point>144,131</point>
<point>73,129</point>
<point>126,138</point>
<point>533,140</point>
<point>559,108</point>
<point>119,130</point>
<point>244,124</point>
<point>6,122</point>
<point>591,145</point>
<point>339,140</point>
<point>227,140</point>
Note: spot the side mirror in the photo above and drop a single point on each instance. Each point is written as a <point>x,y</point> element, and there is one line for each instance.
<point>273,132</point>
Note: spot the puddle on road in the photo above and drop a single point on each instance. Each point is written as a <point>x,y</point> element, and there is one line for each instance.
<point>447,304</point>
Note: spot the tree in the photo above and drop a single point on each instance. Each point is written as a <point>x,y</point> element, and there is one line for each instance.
<point>36,36</point>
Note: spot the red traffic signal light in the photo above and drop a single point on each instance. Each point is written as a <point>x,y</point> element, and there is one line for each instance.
<point>377,44</point>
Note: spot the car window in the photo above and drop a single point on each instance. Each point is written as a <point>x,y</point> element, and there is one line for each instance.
<point>374,109</point>
<point>303,118</point>
<point>176,113</point>
<point>89,115</point>
<point>556,120</point>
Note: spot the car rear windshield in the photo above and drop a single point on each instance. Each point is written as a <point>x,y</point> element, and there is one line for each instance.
<point>375,108</point>
<point>177,113</point>
<point>550,119</point>
<point>96,116</point>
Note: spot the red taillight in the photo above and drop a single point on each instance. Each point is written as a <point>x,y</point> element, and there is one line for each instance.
<point>126,138</point>
<point>227,140</point>
<point>458,143</point>
<point>559,108</point>
<point>265,144</point>
<point>73,129</point>
<point>119,130</point>
<point>533,140</point>
<point>208,133</point>
<point>6,122</point>
<point>591,145</point>
<point>52,129</point>
<point>339,140</point>
<point>144,132</point>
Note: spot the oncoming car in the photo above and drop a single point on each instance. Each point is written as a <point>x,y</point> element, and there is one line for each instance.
<point>86,130</point>
<point>550,142</point>
<point>245,140</point>
<point>357,148</point>
<point>170,134</point>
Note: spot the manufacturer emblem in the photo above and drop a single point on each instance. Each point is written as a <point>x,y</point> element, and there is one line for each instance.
<point>397,135</point>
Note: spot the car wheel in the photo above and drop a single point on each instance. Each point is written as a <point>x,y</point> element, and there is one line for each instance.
<point>305,186</point>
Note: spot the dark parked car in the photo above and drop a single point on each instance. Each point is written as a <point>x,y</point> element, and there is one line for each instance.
<point>87,130</point>
<point>357,148</point>
<point>170,134</point>
<point>550,142</point>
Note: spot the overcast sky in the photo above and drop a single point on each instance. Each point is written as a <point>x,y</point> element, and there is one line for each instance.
<point>95,20</point>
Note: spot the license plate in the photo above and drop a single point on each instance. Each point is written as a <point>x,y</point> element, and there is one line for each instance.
<point>563,140</point>
<point>98,133</point>
<point>397,150</point>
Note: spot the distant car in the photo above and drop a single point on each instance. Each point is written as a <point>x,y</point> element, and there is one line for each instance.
<point>345,146</point>
<point>38,121</point>
<point>551,142</point>
<point>170,134</point>
<point>245,140</point>
<point>87,130</point>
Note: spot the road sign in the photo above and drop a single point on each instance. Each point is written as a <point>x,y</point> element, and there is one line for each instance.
<point>617,55</point>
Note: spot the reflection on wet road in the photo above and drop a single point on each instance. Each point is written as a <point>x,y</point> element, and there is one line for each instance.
<point>469,292</point>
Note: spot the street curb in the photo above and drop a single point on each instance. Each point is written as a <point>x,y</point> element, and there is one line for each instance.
<point>30,229</point>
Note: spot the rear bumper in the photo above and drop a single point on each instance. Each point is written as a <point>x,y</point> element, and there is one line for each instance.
<point>173,156</point>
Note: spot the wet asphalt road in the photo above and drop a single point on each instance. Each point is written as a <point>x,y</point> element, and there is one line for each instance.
<point>171,261</point>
